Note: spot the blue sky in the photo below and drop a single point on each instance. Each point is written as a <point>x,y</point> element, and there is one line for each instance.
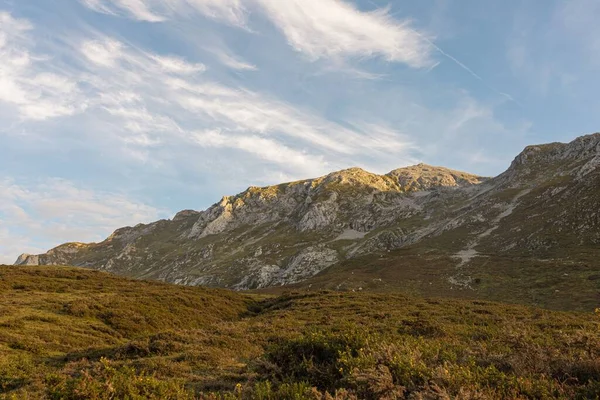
<point>115,112</point>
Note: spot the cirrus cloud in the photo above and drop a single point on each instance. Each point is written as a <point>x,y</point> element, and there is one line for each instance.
<point>334,28</point>
<point>37,93</point>
<point>317,28</point>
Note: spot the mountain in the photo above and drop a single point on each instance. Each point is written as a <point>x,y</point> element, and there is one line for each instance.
<point>273,235</point>
<point>531,234</point>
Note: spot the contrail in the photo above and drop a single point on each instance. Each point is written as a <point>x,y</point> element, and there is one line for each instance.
<point>466,68</point>
<point>456,61</point>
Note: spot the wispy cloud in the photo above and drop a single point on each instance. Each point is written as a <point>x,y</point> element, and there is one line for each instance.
<point>37,94</point>
<point>319,29</point>
<point>54,211</point>
<point>263,148</point>
<point>231,11</point>
<point>137,9</point>
<point>144,100</point>
<point>231,61</point>
<point>178,65</point>
<point>156,102</point>
<point>105,53</point>
<point>334,28</point>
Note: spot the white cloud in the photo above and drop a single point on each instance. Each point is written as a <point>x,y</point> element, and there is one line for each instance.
<point>231,11</point>
<point>105,53</point>
<point>99,6</point>
<point>151,100</point>
<point>231,61</point>
<point>43,214</point>
<point>265,149</point>
<point>12,26</point>
<point>178,65</point>
<point>466,128</point>
<point>147,101</point>
<point>37,95</point>
<point>140,10</point>
<point>137,9</point>
<point>329,29</point>
<point>249,112</point>
<point>335,28</point>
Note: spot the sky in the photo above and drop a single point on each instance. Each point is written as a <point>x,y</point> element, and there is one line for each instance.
<point>118,112</point>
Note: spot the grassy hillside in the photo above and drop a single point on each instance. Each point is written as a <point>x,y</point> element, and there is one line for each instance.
<point>557,284</point>
<point>78,334</point>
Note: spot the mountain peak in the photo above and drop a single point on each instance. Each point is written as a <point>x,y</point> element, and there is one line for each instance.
<point>580,149</point>
<point>425,177</point>
<point>357,177</point>
<point>185,214</point>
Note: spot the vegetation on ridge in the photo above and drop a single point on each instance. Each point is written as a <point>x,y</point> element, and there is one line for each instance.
<point>70,333</point>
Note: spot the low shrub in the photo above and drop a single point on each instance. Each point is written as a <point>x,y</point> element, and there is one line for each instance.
<point>105,382</point>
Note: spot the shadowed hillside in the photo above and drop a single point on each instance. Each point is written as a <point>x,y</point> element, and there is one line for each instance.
<point>70,333</point>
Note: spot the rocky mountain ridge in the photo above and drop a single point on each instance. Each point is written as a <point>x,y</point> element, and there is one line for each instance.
<point>545,204</point>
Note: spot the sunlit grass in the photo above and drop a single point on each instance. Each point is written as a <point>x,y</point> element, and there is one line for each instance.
<point>80,334</point>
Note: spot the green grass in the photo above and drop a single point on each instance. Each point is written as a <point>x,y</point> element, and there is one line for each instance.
<point>69,333</point>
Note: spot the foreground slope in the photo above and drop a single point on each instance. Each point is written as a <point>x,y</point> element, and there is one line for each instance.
<point>532,234</point>
<point>74,333</point>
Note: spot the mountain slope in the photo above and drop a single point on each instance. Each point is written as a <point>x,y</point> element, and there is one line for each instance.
<point>538,219</point>
<point>268,236</point>
<point>71,333</point>
<point>531,235</point>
